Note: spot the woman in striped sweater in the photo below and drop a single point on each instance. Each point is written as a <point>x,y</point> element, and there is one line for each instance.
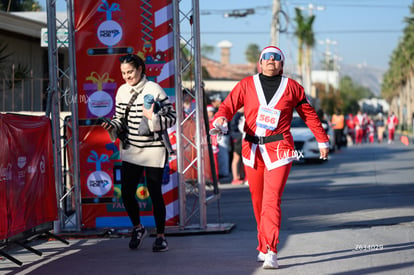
<point>141,151</point>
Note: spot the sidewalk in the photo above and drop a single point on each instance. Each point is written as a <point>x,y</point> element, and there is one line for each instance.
<point>351,215</point>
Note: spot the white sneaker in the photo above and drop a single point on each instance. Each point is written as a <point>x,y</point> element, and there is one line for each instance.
<point>270,261</point>
<point>261,256</point>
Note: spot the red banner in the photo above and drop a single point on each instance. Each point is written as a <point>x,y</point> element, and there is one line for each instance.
<point>106,30</point>
<point>27,185</point>
<point>100,176</point>
<point>5,175</point>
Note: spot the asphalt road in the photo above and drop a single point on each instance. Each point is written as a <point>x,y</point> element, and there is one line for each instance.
<point>353,214</point>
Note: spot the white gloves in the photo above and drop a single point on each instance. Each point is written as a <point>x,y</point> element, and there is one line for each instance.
<point>219,130</point>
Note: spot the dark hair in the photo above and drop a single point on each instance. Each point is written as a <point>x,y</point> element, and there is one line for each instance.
<point>134,60</point>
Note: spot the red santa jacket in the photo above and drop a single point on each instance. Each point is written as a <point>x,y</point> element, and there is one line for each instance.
<point>359,121</point>
<point>249,93</point>
<point>392,121</point>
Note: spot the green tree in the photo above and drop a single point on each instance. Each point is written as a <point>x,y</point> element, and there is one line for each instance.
<point>19,5</point>
<point>401,67</point>
<point>350,93</point>
<point>252,53</point>
<point>187,64</point>
<point>207,50</point>
<point>346,97</point>
<point>330,100</point>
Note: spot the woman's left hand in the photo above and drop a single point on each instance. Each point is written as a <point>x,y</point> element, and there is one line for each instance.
<point>148,112</point>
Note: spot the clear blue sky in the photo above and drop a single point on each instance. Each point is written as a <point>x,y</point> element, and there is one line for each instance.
<point>366,31</point>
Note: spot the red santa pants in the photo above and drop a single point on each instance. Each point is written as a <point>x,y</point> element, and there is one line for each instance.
<point>371,138</point>
<point>359,134</point>
<point>266,188</point>
<point>391,132</point>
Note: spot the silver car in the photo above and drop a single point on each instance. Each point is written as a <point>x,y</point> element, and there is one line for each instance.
<point>305,142</point>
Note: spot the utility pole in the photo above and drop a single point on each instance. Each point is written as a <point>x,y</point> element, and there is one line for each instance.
<point>274,30</point>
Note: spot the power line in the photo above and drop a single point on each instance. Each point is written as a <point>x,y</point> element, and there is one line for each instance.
<point>357,31</point>
<point>224,11</point>
<point>367,6</point>
<point>316,32</point>
<point>358,5</point>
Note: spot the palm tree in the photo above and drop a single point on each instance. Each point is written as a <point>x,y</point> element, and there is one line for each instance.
<point>252,54</point>
<point>207,50</point>
<point>400,65</point>
<point>300,35</point>
<point>310,43</point>
<point>306,41</point>
<point>397,85</point>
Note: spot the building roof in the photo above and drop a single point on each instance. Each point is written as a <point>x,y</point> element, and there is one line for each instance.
<point>218,70</point>
<point>26,23</point>
<point>16,24</point>
<point>40,16</point>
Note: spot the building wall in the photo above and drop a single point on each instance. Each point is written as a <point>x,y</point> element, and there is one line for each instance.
<point>27,51</point>
<point>29,93</point>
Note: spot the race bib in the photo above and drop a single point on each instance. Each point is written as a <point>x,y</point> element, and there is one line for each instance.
<point>267,118</point>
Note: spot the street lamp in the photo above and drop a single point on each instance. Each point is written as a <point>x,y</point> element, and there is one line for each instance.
<point>328,57</point>
<point>328,53</point>
<point>311,8</point>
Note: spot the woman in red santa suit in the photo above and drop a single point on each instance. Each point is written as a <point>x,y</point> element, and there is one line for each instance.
<point>392,122</point>
<point>269,99</point>
<point>359,122</point>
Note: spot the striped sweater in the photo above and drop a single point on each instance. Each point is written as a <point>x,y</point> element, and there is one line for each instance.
<point>144,150</point>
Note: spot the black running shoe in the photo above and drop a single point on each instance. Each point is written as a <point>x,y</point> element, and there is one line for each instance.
<point>160,245</point>
<point>137,236</point>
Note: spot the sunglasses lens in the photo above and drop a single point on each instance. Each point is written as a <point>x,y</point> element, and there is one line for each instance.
<point>276,56</point>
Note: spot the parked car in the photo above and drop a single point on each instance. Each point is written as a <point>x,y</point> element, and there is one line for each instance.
<point>305,142</point>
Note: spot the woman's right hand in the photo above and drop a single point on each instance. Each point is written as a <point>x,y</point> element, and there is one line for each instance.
<point>107,126</point>
<point>220,121</point>
<point>220,128</point>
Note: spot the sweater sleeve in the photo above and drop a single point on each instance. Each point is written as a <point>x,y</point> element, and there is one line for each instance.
<point>120,107</point>
<point>166,117</point>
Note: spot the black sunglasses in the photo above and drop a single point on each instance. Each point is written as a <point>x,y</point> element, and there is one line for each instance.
<point>268,55</point>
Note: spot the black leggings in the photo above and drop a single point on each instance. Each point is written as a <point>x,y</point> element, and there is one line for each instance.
<point>131,175</point>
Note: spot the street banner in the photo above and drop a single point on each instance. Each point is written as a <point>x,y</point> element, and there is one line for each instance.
<point>105,31</point>
<point>27,181</point>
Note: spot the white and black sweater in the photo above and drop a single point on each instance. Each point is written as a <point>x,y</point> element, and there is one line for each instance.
<point>144,150</point>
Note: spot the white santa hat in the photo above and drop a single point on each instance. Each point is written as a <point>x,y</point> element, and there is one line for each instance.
<point>272,49</point>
